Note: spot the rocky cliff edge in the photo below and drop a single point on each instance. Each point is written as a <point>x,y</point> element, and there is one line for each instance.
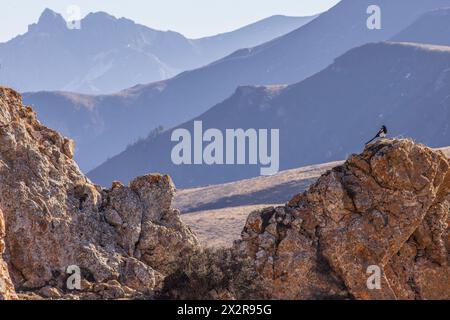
<point>56,224</point>
<point>384,212</point>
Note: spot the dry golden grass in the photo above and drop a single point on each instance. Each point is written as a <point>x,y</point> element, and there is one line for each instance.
<point>260,190</point>
<point>217,213</point>
<point>219,228</point>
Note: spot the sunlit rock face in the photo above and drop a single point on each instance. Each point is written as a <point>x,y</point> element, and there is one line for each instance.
<point>385,209</point>
<point>124,240</point>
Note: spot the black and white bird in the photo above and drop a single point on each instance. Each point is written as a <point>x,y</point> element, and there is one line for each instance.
<point>381,134</point>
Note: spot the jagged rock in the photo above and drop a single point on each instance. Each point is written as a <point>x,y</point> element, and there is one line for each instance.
<point>7,291</point>
<point>164,238</point>
<point>50,292</point>
<point>123,239</point>
<point>387,207</point>
<point>140,276</point>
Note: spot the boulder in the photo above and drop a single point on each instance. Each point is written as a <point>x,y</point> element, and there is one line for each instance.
<point>385,210</point>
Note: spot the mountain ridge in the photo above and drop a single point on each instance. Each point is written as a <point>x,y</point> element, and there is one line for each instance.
<point>406,87</point>
<point>189,94</point>
<point>423,30</point>
<point>112,53</point>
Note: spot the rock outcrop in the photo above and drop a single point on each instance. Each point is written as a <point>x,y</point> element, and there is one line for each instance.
<point>6,287</point>
<point>123,240</point>
<point>384,210</point>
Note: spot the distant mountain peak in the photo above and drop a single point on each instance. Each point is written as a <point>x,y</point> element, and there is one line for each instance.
<point>100,16</point>
<point>48,13</point>
<point>104,21</point>
<point>50,19</point>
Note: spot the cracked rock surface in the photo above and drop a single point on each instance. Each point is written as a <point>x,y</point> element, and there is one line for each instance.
<point>387,207</point>
<point>124,239</point>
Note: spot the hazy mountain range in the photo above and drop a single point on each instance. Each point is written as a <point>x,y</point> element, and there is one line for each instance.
<point>221,45</point>
<point>103,125</point>
<point>108,54</point>
<point>321,119</point>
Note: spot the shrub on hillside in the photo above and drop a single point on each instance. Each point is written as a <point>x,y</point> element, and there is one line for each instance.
<point>214,274</point>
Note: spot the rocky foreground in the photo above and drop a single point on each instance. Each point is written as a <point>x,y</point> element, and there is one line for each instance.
<point>123,239</point>
<point>388,208</point>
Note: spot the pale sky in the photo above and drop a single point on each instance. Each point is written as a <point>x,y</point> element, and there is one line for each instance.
<point>192,18</point>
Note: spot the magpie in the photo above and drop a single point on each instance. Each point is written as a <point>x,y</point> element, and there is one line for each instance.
<point>381,134</point>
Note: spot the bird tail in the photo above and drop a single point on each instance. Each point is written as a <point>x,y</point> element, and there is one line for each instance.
<point>371,140</point>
